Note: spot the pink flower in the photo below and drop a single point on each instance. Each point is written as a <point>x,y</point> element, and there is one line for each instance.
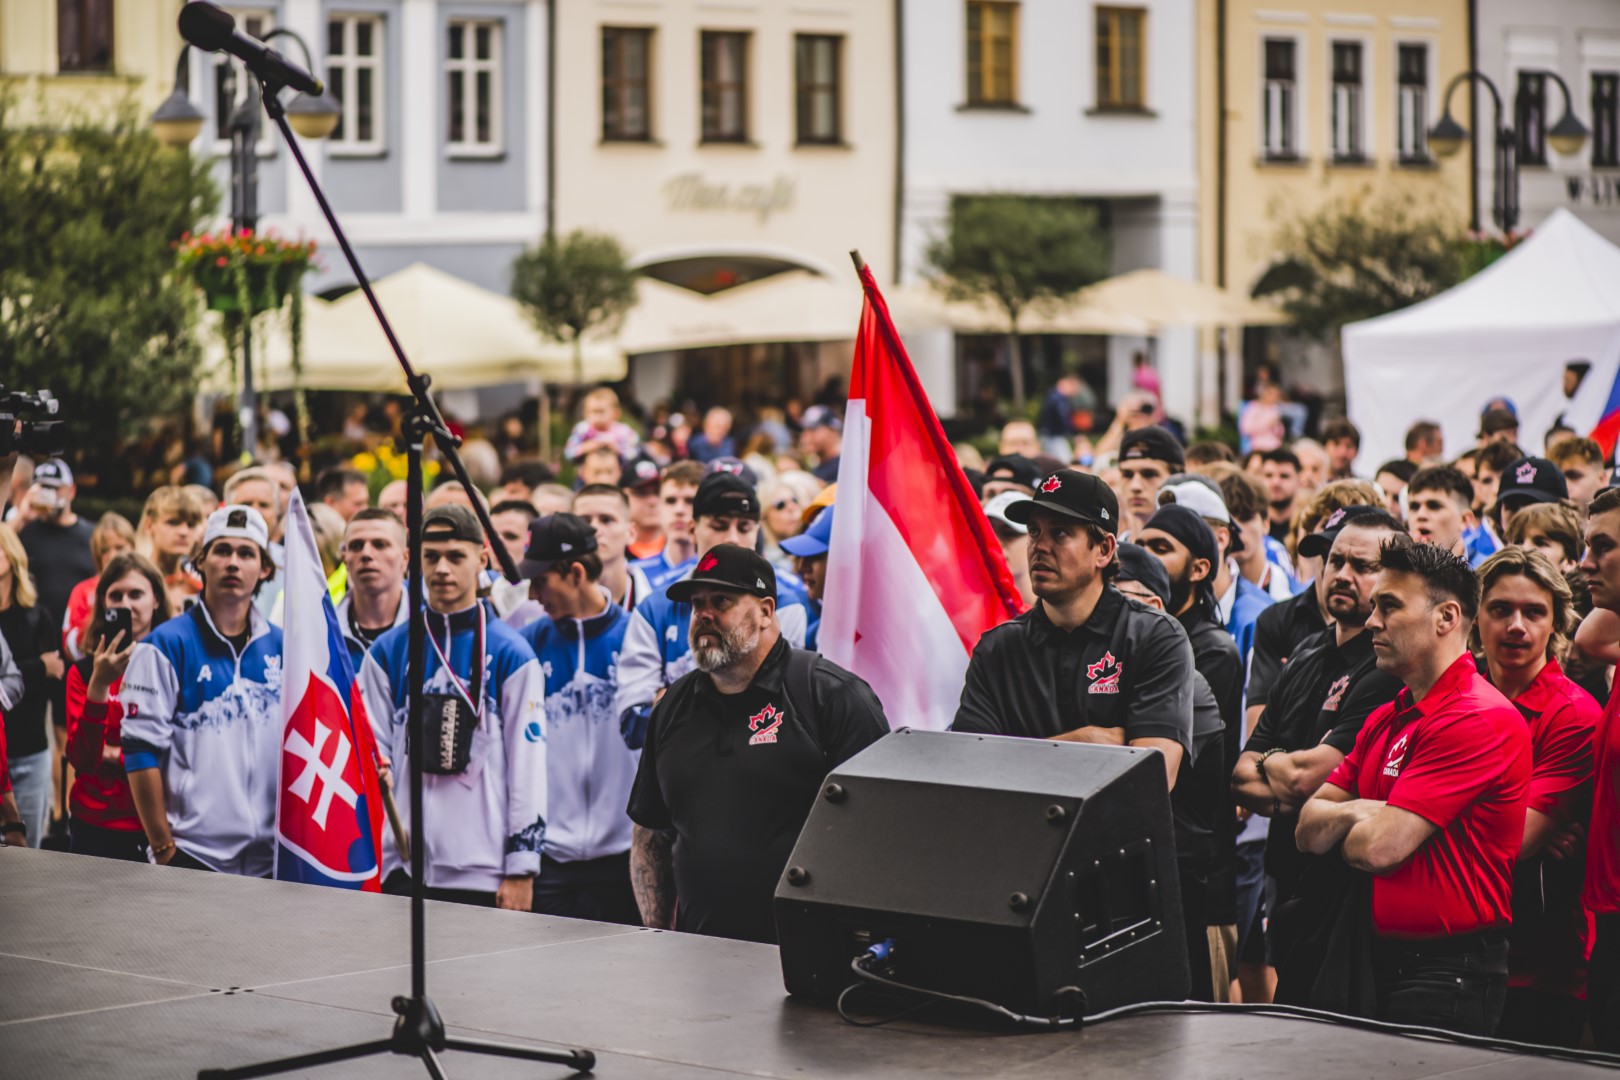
<point>221,261</point>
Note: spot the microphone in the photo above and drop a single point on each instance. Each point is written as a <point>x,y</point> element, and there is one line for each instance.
<point>212,29</point>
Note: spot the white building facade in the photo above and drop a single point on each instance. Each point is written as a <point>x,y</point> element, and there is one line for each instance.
<point>1579,40</point>
<point>1093,101</point>
<point>440,154</point>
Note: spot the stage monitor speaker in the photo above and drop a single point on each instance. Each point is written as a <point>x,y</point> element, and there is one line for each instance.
<point>1013,870</point>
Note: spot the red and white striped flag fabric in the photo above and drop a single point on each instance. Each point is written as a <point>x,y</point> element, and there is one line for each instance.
<point>915,574</point>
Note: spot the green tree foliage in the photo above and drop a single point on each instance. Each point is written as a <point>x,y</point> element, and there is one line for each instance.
<point>1017,252</point>
<point>91,305</point>
<point>1355,258</point>
<point>573,285</point>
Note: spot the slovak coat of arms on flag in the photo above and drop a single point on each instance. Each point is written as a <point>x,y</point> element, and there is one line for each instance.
<point>329,807</point>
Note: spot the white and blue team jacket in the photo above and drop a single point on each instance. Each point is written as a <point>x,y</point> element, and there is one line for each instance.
<point>656,651</point>
<point>589,769</point>
<point>489,821</point>
<point>211,721</point>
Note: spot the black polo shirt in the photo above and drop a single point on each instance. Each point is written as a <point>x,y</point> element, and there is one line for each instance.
<point>735,775</point>
<point>1323,697</point>
<point>1216,656</point>
<point>1201,803</point>
<point>1129,666</point>
<point>1280,629</point>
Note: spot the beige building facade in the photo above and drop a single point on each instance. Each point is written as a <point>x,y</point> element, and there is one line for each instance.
<point>88,54</point>
<point>1306,101</point>
<point>726,143</point>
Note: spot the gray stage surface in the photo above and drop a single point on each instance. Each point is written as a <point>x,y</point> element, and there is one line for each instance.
<point>114,970</point>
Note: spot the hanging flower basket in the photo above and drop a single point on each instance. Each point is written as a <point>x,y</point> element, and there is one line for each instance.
<point>245,274</point>
<point>245,271</point>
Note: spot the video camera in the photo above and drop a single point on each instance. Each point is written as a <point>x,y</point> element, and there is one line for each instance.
<point>21,426</point>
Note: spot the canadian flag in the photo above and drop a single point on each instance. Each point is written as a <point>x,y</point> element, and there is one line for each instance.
<point>914,573</point>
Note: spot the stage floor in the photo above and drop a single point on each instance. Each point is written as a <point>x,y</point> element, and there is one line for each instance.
<point>118,970</point>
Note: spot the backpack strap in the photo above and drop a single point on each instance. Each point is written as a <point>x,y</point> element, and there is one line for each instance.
<point>801,664</point>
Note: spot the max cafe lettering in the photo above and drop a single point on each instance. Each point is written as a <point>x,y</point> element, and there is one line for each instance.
<point>691,192</point>
<point>1593,190</point>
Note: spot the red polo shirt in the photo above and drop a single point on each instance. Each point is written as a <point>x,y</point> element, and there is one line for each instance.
<point>1460,759</point>
<point>1602,894</point>
<point>1551,935</point>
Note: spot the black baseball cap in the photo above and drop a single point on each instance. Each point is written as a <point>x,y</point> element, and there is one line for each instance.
<point>1137,563</point>
<point>553,539</point>
<point>1531,479</point>
<point>641,473</point>
<point>1320,542</point>
<point>1073,494</point>
<point>452,521</point>
<point>1190,531</point>
<point>724,494</point>
<point>727,566</point>
<point>1014,468</point>
<point>1154,443</point>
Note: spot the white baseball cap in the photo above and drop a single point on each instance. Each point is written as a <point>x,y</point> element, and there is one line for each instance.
<point>996,511</point>
<point>237,522</point>
<point>53,474</point>
<point>1197,497</point>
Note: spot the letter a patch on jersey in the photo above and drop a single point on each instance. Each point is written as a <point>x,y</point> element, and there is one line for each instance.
<point>764,724</point>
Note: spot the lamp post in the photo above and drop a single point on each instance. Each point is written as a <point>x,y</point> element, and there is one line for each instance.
<point>1447,137</point>
<point>178,122</point>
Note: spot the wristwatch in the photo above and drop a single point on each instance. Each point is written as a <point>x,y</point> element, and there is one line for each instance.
<point>1261,764</point>
<point>18,827</point>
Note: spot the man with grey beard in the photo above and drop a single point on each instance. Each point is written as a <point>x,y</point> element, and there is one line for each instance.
<point>735,754</point>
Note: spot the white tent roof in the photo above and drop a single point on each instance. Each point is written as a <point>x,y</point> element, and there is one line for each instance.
<point>462,335</point>
<point>1506,332</point>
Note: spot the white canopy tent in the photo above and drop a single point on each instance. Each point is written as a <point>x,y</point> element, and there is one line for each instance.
<point>462,335</point>
<point>1506,332</point>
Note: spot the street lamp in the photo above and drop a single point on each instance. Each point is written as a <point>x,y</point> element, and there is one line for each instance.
<point>1447,137</point>
<point>177,122</point>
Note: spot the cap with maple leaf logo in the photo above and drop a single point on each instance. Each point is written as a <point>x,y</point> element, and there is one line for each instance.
<point>1074,494</point>
<point>727,566</point>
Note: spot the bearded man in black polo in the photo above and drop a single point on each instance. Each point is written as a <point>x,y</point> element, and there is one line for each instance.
<point>1085,663</point>
<point>735,755</point>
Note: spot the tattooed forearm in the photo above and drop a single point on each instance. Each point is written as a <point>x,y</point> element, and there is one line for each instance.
<point>652,876</point>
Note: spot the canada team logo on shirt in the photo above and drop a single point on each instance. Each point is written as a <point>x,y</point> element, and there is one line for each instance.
<point>1525,474</point>
<point>764,724</point>
<point>1396,756</point>
<point>1336,693</point>
<point>1052,484</point>
<point>1104,681</point>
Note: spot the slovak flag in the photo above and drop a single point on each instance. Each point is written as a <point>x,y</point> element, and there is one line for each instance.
<point>328,808</point>
<point>914,573</point>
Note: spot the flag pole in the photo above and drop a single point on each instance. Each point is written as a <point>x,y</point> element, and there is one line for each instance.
<point>400,837</point>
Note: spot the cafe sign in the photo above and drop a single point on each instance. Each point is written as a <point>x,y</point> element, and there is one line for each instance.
<point>692,192</point>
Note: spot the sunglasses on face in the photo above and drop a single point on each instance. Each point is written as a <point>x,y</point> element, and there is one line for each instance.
<point>783,504</point>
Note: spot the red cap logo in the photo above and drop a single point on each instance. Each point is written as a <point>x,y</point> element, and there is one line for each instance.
<point>1052,484</point>
<point>709,562</point>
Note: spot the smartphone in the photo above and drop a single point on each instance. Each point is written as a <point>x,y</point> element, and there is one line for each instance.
<point>114,620</point>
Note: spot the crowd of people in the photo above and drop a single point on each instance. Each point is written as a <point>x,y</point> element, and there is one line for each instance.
<point>1382,702</point>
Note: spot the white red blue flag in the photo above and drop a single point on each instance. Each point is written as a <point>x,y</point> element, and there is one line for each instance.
<point>914,572</point>
<point>329,808</point>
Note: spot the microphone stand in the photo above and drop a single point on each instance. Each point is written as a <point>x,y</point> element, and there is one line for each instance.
<point>419,1031</point>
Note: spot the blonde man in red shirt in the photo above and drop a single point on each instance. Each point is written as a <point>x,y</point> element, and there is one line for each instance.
<point>1431,802</point>
<point>1525,609</point>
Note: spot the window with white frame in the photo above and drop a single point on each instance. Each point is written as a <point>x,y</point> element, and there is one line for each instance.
<point>1412,102</point>
<point>474,69</point>
<point>1349,140</point>
<point>354,71</point>
<point>230,82</point>
<point>1279,107</point>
